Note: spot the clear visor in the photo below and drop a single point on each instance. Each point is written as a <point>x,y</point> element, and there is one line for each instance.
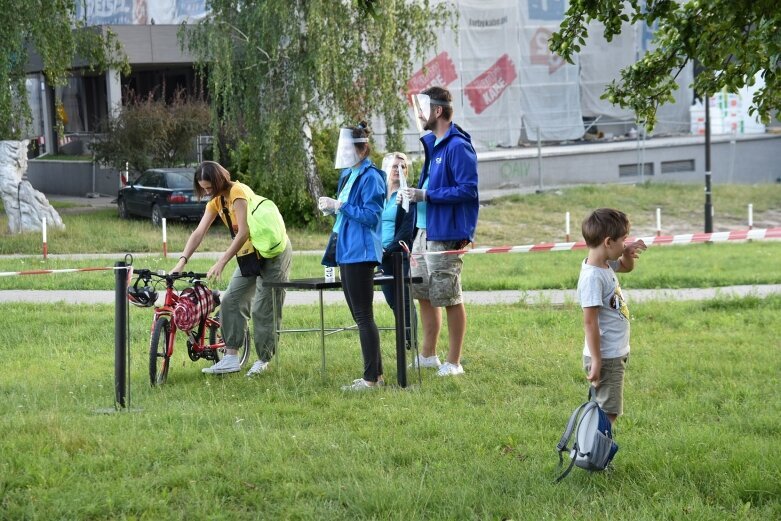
<point>391,170</point>
<point>346,155</point>
<point>421,108</point>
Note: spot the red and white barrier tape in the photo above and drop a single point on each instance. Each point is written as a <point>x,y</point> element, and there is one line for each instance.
<point>68,270</point>
<point>687,238</point>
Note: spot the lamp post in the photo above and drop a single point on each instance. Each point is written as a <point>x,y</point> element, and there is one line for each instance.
<point>708,200</point>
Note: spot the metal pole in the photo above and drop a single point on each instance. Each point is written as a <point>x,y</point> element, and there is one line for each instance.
<point>120,335</point>
<point>539,158</point>
<point>401,326</point>
<point>708,200</point>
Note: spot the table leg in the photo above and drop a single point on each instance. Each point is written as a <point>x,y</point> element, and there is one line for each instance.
<point>322,331</point>
<point>276,326</point>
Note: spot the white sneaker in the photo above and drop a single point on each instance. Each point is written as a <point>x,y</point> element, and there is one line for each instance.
<point>448,369</point>
<point>258,367</point>
<point>228,364</point>
<point>426,361</point>
<point>362,385</point>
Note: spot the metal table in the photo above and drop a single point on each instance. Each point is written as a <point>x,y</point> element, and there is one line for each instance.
<point>319,285</point>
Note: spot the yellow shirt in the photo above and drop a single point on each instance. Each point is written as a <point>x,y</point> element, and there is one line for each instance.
<point>238,191</point>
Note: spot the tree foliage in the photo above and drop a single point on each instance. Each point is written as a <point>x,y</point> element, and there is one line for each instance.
<point>150,132</point>
<point>51,28</point>
<point>284,70</point>
<point>732,41</point>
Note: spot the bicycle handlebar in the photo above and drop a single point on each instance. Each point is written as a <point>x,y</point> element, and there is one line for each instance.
<point>145,273</point>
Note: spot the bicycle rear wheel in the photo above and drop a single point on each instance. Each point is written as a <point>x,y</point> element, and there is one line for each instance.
<point>160,351</point>
<point>215,336</point>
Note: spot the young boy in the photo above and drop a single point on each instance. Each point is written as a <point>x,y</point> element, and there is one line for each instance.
<point>605,314</point>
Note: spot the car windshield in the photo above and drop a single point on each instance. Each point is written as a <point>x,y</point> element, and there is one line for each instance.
<point>179,180</point>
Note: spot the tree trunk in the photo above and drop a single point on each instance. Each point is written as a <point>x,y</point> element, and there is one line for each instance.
<point>25,206</point>
<point>313,182</point>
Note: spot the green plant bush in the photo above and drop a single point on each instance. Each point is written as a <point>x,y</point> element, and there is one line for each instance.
<point>150,132</point>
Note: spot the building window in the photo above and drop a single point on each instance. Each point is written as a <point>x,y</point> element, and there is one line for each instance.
<point>634,170</point>
<point>683,165</point>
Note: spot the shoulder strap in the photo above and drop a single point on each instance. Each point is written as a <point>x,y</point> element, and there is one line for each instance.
<point>227,215</point>
<point>580,412</point>
<point>562,445</point>
<point>341,184</point>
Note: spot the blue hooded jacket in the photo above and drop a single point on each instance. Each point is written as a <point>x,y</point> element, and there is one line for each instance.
<point>360,238</point>
<point>451,197</point>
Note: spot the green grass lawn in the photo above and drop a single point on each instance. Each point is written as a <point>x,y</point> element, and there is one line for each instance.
<point>698,265</point>
<point>515,220</point>
<point>698,440</point>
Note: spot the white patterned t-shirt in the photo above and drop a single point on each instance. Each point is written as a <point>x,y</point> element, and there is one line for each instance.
<point>599,287</point>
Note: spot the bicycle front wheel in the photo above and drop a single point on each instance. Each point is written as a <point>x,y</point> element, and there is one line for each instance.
<point>160,351</point>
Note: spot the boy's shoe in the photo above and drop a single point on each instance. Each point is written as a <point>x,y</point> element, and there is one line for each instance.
<point>448,369</point>
<point>426,361</point>
<point>228,364</point>
<point>258,367</point>
<point>362,385</point>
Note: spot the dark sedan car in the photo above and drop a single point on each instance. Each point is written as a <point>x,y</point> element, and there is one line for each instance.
<point>159,193</point>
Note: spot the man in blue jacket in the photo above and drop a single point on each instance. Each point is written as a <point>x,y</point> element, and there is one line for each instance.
<point>446,220</point>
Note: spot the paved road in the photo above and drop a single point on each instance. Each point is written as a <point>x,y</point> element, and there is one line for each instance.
<point>554,297</point>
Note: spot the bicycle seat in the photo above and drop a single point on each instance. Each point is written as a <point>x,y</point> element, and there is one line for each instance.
<point>216,297</point>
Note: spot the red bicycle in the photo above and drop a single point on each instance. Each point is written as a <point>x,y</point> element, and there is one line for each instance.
<point>163,332</point>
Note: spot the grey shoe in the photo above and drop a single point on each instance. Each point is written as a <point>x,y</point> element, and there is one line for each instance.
<point>448,369</point>
<point>258,367</point>
<point>228,364</point>
<point>426,361</point>
<point>362,385</point>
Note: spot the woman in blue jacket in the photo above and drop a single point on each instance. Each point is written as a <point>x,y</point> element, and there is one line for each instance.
<point>358,208</point>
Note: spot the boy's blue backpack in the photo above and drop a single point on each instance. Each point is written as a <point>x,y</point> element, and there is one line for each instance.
<point>593,447</point>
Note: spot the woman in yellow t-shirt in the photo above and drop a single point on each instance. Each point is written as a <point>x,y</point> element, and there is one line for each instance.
<point>245,295</point>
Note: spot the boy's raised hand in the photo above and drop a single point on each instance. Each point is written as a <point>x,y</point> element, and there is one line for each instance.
<point>633,249</point>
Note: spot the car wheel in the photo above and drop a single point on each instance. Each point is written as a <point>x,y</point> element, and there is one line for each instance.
<point>122,209</point>
<point>157,216</point>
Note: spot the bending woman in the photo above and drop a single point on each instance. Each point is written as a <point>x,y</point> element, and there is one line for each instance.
<point>358,209</point>
<point>245,295</point>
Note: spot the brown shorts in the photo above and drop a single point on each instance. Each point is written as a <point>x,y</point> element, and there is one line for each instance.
<point>441,274</point>
<point>610,393</point>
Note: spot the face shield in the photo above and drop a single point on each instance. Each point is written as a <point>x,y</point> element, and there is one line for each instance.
<point>346,155</point>
<point>421,107</point>
<point>390,169</point>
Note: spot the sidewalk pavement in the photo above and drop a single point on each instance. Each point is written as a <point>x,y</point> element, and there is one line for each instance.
<point>530,297</point>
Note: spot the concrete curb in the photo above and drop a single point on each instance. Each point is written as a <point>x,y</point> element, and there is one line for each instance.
<point>480,298</point>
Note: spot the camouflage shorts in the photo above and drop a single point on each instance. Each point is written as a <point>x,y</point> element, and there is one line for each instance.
<point>441,274</point>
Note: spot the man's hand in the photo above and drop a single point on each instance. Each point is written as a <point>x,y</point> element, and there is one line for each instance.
<point>328,205</point>
<point>414,194</point>
<point>633,249</point>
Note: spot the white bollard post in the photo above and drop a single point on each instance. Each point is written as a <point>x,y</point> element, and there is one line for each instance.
<point>658,222</point>
<point>750,216</point>
<point>45,247</point>
<point>165,240</point>
<point>124,177</point>
<point>567,226</point>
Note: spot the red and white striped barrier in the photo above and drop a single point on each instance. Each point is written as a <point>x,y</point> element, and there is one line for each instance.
<point>687,238</point>
<point>67,270</point>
